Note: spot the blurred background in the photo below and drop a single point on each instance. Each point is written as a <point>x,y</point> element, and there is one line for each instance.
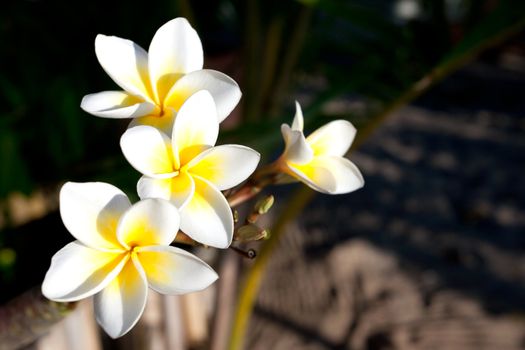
<point>428,255</point>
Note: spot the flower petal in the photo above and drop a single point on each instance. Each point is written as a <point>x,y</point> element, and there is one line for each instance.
<point>207,218</point>
<point>90,211</point>
<point>148,150</point>
<point>225,166</point>
<point>172,270</point>
<point>319,179</point>
<point>162,122</point>
<point>196,127</point>
<point>296,148</point>
<point>149,222</point>
<point>116,104</point>
<point>174,50</point>
<point>329,174</point>
<point>178,190</point>
<point>332,139</point>
<point>149,187</point>
<point>119,306</point>
<point>182,189</point>
<point>77,272</point>
<point>298,120</point>
<point>126,63</point>
<point>225,91</point>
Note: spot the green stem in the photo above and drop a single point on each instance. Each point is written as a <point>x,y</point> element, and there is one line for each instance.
<point>254,276</point>
<point>252,59</point>
<point>269,64</point>
<point>290,57</point>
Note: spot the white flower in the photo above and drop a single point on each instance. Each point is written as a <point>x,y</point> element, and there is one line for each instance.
<point>119,251</point>
<point>318,159</point>
<point>156,83</point>
<point>189,171</point>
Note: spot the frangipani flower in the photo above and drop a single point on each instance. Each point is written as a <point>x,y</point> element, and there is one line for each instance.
<point>318,159</point>
<point>119,251</point>
<point>189,171</point>
<point>156,83</point>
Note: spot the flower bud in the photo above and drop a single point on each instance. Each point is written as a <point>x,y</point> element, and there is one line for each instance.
<point>264,205</point>
<point>250,232</point>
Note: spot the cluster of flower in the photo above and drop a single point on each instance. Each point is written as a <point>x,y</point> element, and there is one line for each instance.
<point>176,106</point>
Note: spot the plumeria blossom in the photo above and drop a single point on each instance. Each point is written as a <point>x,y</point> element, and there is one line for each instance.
<point>317,160</point>
<point>189,170</point>
<point>156,83</point>
<point>120,250</point>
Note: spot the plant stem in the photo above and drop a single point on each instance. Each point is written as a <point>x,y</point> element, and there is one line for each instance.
<point>28,316</point>
<point>252,59</point>
<point>269,64</point>
<point>290,58</point>
<point>253,278</point>
<point>262,178</point>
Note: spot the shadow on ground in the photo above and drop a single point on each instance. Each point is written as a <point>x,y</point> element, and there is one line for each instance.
<point>430,254</point>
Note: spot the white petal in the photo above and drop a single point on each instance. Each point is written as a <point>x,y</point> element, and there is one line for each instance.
<point>298,120</point>
<point>225,91</point>
<point>77,272</point>
<point>207,218</point>
<point>178,190</point>
<point>148,150</point>
<point>126,63</point>
<point>174,50</point>
<point>196,127</point>
<point>319,179</point>
<point>296,148</point>
<point>182,189</point>
<point>162,122</point>
<point>149,187</point>
<point>90,211</point>
<point>332,139</point>
<point>119,306</point>
<point>225,166</point>
<point>171,270</point>
<point>116,104</point>
<point>149,222</point>
<point>329,174</point>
